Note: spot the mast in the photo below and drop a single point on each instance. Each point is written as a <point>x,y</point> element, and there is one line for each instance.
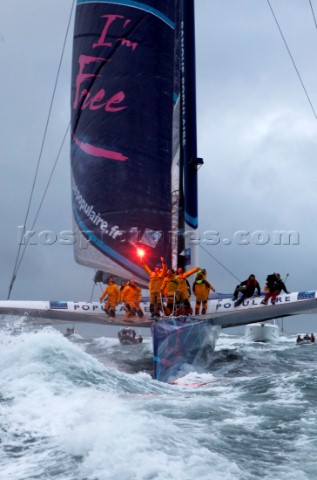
<point>190,162</point>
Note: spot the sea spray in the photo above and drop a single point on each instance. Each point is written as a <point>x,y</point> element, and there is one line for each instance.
<point>70,411</point>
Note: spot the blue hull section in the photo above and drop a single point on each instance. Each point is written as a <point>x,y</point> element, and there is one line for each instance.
<point>179,342</point>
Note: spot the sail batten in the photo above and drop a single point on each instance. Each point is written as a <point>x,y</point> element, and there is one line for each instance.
<point>140,5</point>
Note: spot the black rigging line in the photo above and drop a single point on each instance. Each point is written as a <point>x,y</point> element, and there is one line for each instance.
<point>92,292</point>
<point>313,13</point>
<point>221,264</point>
<point>43,196</point>
<point>18,259</point>
<point>93,289</point>
<point>291,57</point>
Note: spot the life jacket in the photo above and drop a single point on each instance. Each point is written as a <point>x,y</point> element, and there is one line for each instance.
<point>113,292</point>
<point>252,283</point>
<point>201,290</point>
<point>170,285</point>
<point>184,286</point>
<point>131,294</point>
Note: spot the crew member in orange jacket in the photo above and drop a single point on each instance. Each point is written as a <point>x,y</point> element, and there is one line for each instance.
<point>111,294</point>
<point>156,279</point>
<point>183,295</point>
<point>131,296</point>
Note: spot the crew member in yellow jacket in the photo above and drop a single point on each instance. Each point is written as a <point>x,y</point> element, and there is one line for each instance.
<point>201,290</point>
<point>169,289</point>
<point>131,296</point>
<point>111,294</point>
<point>156,279</point>
<point>183,296</point>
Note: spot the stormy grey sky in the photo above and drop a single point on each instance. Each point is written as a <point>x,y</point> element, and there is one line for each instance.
<point>256,133</point>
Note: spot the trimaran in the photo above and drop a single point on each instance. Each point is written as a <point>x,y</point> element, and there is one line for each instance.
<point>134,169</point>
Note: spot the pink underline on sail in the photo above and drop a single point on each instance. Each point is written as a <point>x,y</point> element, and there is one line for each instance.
<point>99,152</point>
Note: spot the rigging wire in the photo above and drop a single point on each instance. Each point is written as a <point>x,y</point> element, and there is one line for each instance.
<point>221,264</point>
<point>92,292</point>
<point>308,98</point>
<point>313,13</point>
<point>93,289</point>
<point>18,257</point>
<point>292,59</point>
<point>43,196</point>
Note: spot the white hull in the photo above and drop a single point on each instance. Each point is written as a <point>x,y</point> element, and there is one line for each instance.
<point>91,312</point>
<point>195,335</point>
<point>220,311</point>
<point>262,332</point>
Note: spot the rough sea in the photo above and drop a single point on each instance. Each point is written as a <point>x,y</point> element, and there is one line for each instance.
<point>87,408</point>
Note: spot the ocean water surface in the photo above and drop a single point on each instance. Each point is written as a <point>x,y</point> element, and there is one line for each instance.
<point>87,408</point>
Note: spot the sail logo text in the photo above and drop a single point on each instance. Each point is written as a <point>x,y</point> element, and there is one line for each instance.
<point>113,231</point>
<point>89,75</point>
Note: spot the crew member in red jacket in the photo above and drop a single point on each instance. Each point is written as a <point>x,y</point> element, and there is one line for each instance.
<point>247,289</point>
<point>275,285</point>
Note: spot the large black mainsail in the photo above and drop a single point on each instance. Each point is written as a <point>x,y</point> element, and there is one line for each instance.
<point>128,163</point>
